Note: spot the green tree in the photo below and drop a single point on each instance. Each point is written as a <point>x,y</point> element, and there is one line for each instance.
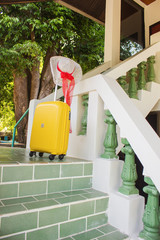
<point>129,48</point>
<point>32,33</point>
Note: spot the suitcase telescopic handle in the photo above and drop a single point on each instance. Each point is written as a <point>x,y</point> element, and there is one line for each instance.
<point>55,92</point>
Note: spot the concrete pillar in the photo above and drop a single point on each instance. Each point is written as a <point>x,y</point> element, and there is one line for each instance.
<point>151,16</point>
<point>112,31</point>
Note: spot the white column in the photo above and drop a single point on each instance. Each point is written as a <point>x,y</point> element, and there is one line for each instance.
<point>112,31</point>
<point>151,16</point>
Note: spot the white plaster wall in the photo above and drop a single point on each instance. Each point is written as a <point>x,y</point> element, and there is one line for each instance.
<point>128,211</point>
<point>136,28</point>
<point>107,174</point>
<point>91,145</point>
<point>154,38</point>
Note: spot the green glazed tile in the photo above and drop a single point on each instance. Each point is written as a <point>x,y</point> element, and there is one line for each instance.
<point>8,190</point>
<point>71,193</point>
<point>49,196</point>
<point>11,209</point>
<point>70,199</point>
<point>16,237</point>
<point>94,194</point>
<point>107,229</point>
<point>32,188</point>
<point>92,234</point>
<point>71,170</point>
<point>101,205</point>
<point>73,227</point>
<point>67,238</point>
<point>52,216</point>
<point>17,173</point>
<point>47,171</point>
<point>59,185</point>
<point>80,183</point>
<point>18,200</point>
<point>44,234</point>
<point>81,209</point>
<point>92,190</point>
<point>97,220</point>
<point>18,223</point>
<point>40,204</point>
<point>115,235</point>
<point>88,169</point>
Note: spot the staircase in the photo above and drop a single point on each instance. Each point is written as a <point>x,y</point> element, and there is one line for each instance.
<point>50,200</point>
<point>126,206</point>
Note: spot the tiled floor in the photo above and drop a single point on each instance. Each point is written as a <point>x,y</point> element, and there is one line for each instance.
<point>106,232</point>
<point>20,156</point>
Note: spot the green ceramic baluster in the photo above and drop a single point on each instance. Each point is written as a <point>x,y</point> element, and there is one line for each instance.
<point>122,82</point>
<point>151,72</point>
<point>151,213</point>
<point>110,142</point>
<point>132,91</point>
<point>141,78</point>
<point>129,172</point>
<point>84,118</point>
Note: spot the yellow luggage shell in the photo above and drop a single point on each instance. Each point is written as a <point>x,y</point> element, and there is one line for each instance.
<point>50,130</point>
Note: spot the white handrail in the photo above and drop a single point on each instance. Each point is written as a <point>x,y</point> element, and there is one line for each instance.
<point>132,62</point>
<point>132,123</point>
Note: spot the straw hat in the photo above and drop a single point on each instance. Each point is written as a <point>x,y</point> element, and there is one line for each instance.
<point>64,65</point>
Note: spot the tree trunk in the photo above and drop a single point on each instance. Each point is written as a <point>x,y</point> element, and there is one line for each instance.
<point>35,81</point>
<point>27,86</point>
<point>21,103</point>
<point>46,83</point>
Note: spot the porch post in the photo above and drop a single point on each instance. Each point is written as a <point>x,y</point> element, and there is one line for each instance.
<point>112,31</point>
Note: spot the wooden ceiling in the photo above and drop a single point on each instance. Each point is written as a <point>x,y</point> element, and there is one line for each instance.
<point>94,9</point>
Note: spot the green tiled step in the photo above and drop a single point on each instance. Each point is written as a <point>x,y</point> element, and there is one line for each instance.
<point>52,216</point>
<point>18,180</point>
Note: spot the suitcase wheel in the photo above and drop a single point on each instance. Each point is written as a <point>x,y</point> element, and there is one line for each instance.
<point>40,154</point>
<point>32,153</point>
<point>51,157</point>
<point>61,156</point>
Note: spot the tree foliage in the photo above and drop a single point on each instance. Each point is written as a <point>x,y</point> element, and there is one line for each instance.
<point>29,35</point>
<point>129,48</point>
<point>7,118</point>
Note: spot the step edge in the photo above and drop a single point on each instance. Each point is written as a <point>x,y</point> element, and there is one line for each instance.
<point>50,207</point>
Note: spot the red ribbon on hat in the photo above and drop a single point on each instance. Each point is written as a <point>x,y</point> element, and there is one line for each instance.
<point>67,86</point>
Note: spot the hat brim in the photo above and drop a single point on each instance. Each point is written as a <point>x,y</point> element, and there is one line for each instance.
<point>76,69</point>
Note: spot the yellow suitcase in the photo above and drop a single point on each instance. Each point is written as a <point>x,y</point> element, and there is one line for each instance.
<point>50,130</point>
